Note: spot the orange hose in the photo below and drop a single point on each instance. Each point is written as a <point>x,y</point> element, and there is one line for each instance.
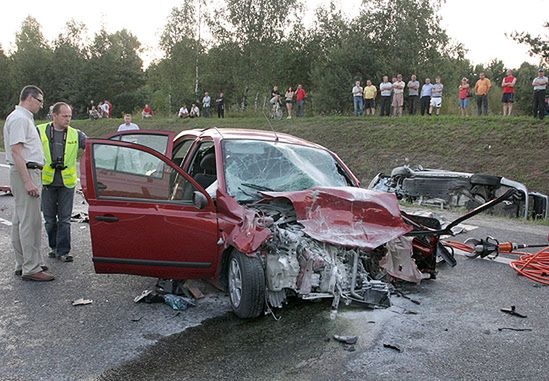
<point>532,266</point>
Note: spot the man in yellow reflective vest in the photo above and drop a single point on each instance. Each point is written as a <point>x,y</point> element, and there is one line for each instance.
<point>59,177</point>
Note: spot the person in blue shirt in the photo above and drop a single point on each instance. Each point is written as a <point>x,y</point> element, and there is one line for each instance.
<point>426,91</point>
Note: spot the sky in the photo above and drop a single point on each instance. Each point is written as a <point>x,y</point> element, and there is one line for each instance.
<point>479,24</point>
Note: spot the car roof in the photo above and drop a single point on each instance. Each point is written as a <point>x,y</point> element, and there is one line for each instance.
<point>248,134</point>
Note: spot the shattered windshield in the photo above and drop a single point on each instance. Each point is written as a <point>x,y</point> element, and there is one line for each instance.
<point>252,166</point>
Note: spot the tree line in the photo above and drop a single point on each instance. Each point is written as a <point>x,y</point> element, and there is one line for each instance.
<point>243,48</point>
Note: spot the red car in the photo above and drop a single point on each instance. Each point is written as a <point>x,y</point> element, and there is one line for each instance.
<point>265,215</point>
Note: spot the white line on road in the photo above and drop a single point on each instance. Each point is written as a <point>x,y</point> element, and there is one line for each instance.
<point>5,222</point>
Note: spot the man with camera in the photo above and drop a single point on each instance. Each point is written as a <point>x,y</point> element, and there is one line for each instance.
<point>60,143</point>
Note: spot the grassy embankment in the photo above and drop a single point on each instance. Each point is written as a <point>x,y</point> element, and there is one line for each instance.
<point>516,147</point>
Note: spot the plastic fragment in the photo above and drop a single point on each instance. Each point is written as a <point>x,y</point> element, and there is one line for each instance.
<point>346,339</point>
<point>81,302</point>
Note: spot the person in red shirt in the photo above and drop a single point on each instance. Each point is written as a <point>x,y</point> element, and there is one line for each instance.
<point>463,94</point>
<point>508,85</point>
<point>147,112</point>
<point>300,100</point>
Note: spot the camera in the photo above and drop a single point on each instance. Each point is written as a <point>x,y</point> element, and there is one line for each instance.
<point>58,164</point>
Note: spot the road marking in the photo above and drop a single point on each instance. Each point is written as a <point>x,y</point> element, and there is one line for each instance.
<point>5,222</point>
<point>503,260</point>
<point>4,165</point>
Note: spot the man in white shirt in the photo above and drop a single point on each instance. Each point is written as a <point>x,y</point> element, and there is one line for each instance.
<point>540,89</point>
<point>128,125</point>
<point>398,96</point>
<point>25,156</point>
<point>358,100</point>
<point>206,103</point>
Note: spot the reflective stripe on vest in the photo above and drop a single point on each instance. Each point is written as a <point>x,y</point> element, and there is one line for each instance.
<point>71,152</point>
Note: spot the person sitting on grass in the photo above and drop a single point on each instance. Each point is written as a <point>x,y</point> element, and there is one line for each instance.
<point>183,112</point>
<point>147,112</point>
<point>195,111</point>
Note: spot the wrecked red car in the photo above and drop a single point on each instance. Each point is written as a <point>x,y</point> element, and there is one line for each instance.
<point>266,216</point>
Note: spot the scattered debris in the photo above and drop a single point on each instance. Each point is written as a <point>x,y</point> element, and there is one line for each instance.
<point>82,302</point>
<point>149,296</point>
<point>514,329</point>
<point>193,290</point>
<point>402,294</point>
<point>512,311</point>
<point>80,217</point>
<point>346,339</point>
<point>178,303</point>
<point>136,318</point>
<point>349,348</point>
<point>392,346</point>
<point>6,189</point>
<point>460,189</point>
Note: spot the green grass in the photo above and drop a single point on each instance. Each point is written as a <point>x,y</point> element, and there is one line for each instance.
<point>515,147</point>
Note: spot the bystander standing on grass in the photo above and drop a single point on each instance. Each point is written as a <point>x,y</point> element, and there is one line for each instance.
<point>463,96</point>
<point>508,84</point>
<point>482,87</point>
<point>540,90</point>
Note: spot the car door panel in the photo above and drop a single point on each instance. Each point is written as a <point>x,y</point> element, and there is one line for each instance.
<point>142,219</point>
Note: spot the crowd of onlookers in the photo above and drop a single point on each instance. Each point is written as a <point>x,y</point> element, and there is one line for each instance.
<point>429,95</point>
<point>390,97</point>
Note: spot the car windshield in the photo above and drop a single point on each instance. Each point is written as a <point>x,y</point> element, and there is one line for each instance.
<point>252,166</point>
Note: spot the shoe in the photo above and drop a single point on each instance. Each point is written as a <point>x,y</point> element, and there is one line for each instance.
<point>20,272</point>
<point>52,254</point>
<point>65,258</point>
<point>41,276</point>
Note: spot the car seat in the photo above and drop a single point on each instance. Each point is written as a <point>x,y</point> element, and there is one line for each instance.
<point>208,171</point>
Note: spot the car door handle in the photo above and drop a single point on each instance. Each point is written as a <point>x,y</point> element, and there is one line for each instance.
<point>107,218</point>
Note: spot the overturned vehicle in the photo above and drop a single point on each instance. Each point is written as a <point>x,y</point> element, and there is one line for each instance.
<point>461,189</point>
<point>265,216</point>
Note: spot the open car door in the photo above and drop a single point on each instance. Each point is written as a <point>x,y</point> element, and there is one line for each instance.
<point>160,141</point>
<point>143,219</point>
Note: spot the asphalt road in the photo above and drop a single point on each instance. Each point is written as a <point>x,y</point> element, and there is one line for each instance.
<point>452,334</point>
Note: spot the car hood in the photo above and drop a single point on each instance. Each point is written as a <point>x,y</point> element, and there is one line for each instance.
<point>347,216</point>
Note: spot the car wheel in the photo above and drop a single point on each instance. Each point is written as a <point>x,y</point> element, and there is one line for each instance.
<point>246,285</point>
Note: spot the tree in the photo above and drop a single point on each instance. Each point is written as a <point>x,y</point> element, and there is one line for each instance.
<point>32,58</point>
<point>8,96</point>
<point>115,70</point>
<point>538,45</point>
<point>68,72</point>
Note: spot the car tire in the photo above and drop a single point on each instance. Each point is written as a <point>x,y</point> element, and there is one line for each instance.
<point>246,285</point>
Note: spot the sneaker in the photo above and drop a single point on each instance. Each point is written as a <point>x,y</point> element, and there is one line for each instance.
<point>41,276</point>
<point>52,254</point>
<point>65,258</point>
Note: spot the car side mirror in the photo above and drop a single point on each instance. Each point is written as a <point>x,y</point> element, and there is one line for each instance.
<point>199,200</point>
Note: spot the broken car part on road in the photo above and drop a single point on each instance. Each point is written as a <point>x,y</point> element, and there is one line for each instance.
<point>266,216</point>
<point>461,189</point>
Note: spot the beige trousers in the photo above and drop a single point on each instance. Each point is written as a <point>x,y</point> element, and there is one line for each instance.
<point>26,231</point>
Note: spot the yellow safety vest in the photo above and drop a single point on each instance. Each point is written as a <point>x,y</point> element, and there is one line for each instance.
<point>71,152</point>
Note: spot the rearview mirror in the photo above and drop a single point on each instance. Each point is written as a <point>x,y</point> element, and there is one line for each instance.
<point>199,200</point>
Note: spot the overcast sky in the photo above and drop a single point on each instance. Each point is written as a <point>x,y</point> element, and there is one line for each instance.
<point>479,24</point>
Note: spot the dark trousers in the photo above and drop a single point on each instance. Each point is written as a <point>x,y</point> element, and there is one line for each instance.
<point>300,108</point>
<point>425,102</point>
<point>482,104</point>
<point>220,111</point>
<point>412,104</point>
<point>206,112</point>
<point>57,209</point>
<point>385,105</point>
<point>539,103</point>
